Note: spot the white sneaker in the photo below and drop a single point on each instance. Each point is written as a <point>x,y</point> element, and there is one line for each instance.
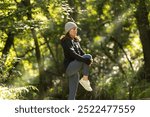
<point>86,84</point>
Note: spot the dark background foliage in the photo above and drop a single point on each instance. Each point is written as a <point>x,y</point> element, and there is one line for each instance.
<point>116,33</point>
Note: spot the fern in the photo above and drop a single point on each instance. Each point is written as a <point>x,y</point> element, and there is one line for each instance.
<point>14,93</point>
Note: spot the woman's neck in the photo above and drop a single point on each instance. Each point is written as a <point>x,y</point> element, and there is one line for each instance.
<point>72,37</point>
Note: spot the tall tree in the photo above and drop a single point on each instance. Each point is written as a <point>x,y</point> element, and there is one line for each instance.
<point>144,31</point>
<point>7,26</point>
<point>73,14</point>
<point>27,4</point>
<point>9,43</point>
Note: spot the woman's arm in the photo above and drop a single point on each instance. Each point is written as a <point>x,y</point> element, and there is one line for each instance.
<point>80,49</point>
<point>67,45</point>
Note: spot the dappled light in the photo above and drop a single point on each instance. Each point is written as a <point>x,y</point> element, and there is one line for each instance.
<point>115,33</point>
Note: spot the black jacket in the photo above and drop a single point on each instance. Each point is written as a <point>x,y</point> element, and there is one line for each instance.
<point>72,51</point>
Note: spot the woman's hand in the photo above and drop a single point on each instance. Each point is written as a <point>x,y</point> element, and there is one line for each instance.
<point>88,61</point>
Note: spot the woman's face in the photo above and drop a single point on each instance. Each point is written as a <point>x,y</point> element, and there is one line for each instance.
<point>73,32</point>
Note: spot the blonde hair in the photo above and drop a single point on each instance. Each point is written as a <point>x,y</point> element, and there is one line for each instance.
<point>77,38</point>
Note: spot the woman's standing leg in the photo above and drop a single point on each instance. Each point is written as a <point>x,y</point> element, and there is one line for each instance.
<point>73,75</point>
<point>73,86</point>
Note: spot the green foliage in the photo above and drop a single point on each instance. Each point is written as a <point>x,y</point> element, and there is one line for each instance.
<point>13,93</point>
<point>108,30</point>
<point>8,71</point>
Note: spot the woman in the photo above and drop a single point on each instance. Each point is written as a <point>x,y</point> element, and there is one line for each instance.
<point>75,60</point>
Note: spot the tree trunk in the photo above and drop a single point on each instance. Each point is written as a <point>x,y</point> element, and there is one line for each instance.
<point>42,86</point>
<point>144,30</point>
<point>9,43</point>
<point>73,15</point>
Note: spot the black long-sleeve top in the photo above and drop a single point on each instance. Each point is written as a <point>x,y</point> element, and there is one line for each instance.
<point>72,51</point>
